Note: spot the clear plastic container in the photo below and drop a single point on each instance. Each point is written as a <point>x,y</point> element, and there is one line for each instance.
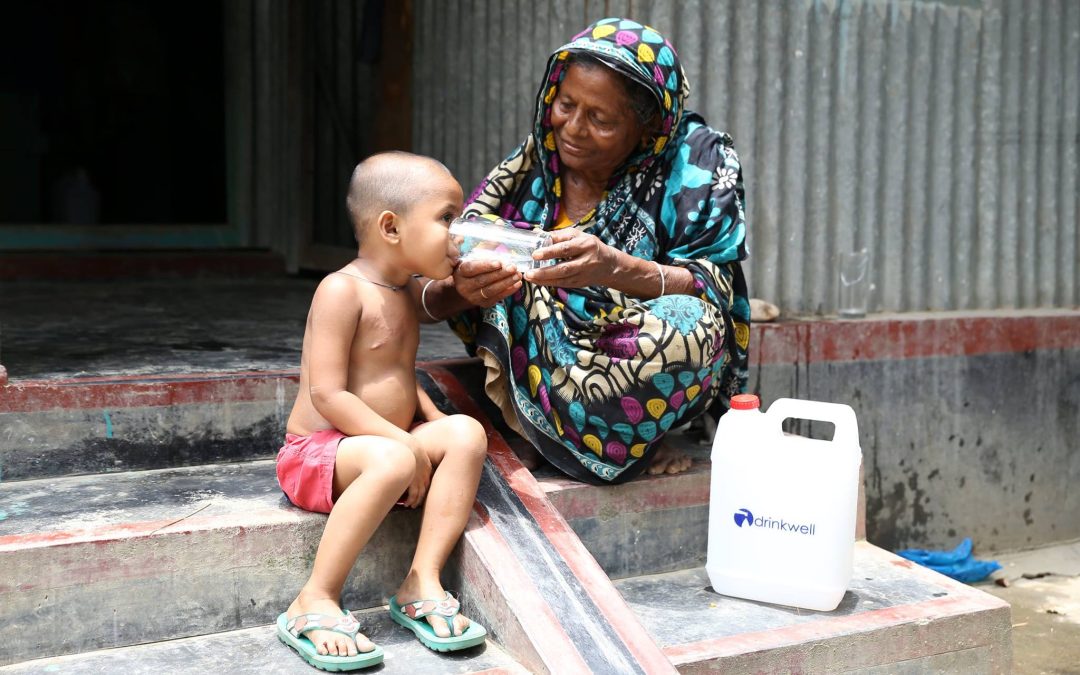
<point>782,508</point>
<point>492,238</point>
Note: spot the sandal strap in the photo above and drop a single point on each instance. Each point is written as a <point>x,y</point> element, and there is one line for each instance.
<point>447,608</point>
<point>345,624</point>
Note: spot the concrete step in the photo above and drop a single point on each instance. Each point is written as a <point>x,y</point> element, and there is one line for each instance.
<point>134,557</point>
<point>139,557</point>
<point>651,535</point>
<point>896,618</point>
<point>88,425</point>
<point>164,554</point>
<point>168,372</point>
<point>650,525</point>
<point>257,651</point>
<point>959,471</point>
<point>149,418</point>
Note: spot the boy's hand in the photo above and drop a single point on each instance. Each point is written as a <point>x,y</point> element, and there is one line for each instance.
<point>434,414</point>
<point>414,497</point>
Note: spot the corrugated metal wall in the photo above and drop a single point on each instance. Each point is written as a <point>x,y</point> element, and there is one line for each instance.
<point>942,136</point>
<point>344,117</point>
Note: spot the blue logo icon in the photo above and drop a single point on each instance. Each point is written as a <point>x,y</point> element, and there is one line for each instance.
<point>744,516</point>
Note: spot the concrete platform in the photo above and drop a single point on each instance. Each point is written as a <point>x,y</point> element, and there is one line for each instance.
<point>256,651</point>
<point>154,327</point>
<point>122,557</point>
<point>141,556</point>
<point>217,548</point>
<point>965,469</point>
<point>152,374</point>
<point>652,524</point>
<point>1043,588</point>
<point>896,618</point>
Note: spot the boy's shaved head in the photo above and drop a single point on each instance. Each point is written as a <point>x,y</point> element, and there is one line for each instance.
<point>388,181</point>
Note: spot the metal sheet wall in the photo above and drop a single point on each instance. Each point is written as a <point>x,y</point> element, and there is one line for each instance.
<point>942,136</point>
<point>343,115</point>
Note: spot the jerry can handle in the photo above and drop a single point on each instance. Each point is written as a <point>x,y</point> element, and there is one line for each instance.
<point>842,416</point>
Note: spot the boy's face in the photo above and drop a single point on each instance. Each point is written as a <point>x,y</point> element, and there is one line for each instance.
<point>425,228</point>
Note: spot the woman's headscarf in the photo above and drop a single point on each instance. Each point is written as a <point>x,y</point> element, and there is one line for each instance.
<point>639,54</point>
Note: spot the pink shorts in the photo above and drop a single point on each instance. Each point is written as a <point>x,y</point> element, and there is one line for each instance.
<point>305,469</point>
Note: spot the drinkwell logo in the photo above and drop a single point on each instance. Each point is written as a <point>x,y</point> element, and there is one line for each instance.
<point>745,517</point>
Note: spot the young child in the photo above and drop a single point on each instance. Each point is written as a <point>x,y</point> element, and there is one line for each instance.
<point>363,435</point>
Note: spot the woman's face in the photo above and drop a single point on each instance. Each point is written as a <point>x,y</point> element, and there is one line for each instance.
<point>594,124</point>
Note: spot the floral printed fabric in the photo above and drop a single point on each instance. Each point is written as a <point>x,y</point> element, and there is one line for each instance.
<point>595,378</point>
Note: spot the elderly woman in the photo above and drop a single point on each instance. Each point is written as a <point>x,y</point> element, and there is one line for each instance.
<point>644,322</point>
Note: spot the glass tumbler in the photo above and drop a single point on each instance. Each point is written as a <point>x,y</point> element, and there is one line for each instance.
<point>855,283</point>
<point>492,238</point>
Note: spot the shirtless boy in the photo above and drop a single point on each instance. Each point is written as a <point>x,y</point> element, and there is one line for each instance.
<point>363,434</point>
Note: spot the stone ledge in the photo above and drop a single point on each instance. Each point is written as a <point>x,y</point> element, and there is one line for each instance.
<point>895,616</point>
<point>136,557</point>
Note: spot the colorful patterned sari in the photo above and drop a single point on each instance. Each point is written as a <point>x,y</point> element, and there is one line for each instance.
<point>592,377</point>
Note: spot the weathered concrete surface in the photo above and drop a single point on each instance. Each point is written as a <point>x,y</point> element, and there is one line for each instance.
<point>647,526</point>
<point>650,525</point>
<point>1044,591</point>
<point>128,558</point>
<point>256,651</point>
<point>121,438</point>
<point>162,554</point>
<point>970,424</point>
<point>153,374</point>
<point>58,427</point>
<point>159,327</point>
<point>896,617</point>
<point>1046,623</point>
<point>969,420</point>
<point>561,609</point>
<point>152,327</point>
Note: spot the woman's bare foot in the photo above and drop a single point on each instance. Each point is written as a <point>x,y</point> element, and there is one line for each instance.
<point>414,588</point>
<point>325,641</point>
<point>668,460</point>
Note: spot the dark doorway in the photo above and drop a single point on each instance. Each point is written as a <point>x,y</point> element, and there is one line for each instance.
<point>112,112</point>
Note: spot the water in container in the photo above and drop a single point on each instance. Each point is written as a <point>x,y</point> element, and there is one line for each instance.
<point>782,507</point>
<point>492,238</point>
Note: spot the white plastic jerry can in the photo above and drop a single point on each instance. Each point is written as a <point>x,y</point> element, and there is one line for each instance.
<point>782,508</point>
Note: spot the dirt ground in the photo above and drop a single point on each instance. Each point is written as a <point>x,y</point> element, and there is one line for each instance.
<point>1045,609</point>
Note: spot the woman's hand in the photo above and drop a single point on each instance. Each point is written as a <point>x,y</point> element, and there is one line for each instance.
<point>583,260</point>
<point>483,283</point>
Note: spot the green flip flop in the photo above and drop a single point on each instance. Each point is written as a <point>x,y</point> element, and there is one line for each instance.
<point>412,616</point>
<point>293,632</point>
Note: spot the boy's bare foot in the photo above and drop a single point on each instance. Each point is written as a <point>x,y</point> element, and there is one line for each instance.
<point>413,589</point>
<point>668,460</point>
<point>328,642</point>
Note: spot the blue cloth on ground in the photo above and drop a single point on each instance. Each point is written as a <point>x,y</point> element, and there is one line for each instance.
<point>957,563</point>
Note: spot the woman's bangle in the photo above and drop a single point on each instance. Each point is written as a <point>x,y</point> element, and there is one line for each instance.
<point>659,268</point>
<point>423,300</point>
